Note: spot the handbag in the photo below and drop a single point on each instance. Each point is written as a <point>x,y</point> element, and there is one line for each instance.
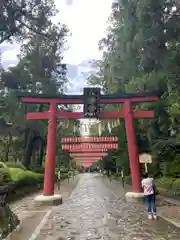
<point>155,190</point>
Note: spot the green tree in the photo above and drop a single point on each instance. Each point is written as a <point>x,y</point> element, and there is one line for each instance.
<point>141,52</point>
<point>20,17</point>
<point>39,70</point>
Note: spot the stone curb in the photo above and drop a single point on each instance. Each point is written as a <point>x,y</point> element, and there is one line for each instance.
<point>169,220</point>
<point>18,228</point>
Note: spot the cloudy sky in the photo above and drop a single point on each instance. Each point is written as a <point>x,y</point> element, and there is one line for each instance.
<point>87,21</point>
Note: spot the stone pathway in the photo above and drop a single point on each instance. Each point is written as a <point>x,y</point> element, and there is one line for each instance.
<point>31,216</point>
<point>168,208</point>
<point>94,212</point>
<point>23,206</point>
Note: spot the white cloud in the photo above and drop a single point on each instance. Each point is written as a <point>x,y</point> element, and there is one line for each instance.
<point>9,54</point>
<point>86,20</point>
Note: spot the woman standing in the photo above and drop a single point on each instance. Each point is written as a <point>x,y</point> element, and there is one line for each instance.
<point>148,186</point>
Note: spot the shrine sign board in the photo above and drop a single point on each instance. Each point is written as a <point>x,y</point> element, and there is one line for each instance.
<point>145,158</point>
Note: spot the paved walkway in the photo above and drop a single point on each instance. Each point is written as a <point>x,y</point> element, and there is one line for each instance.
<point>95,212</point>
<point>168,208</point>
<point>31,216</point>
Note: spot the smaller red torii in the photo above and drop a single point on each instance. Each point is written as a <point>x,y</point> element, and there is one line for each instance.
<point>89,150</point>
<point>88,139</point>
<point>90,146</point>
<point>101,154</point>
<point>95,159</point>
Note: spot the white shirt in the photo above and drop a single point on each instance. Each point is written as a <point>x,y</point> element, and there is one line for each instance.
<point>148,186</point>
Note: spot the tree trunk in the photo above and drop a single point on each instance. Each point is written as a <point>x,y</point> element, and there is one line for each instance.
<point>33,158</point>
<point>26,134</point>
<point>41,153</point>
<point>7,147</point>
<point>28,149</point>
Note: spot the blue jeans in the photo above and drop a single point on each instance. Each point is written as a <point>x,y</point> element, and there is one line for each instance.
<point>151,203</point>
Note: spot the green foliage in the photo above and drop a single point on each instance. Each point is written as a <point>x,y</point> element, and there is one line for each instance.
<point>18,174</point>
<point>176,185</point>
<point>16,165</point>
<point>96,166</point>
<point>139,55</point>
<point>64,170</point>
<point>18,18</point>
<point>39,70</point>
<point>165,182</point>
<point>38,170</point>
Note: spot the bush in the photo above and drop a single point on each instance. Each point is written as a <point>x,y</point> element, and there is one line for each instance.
<point>165,182</point>
<point>176,185</point>
<point>62,169</point>
<point>17,174</point>
<point>64,176</point>
<point>21,182</point>
<point>15,165</point>
<point>38,170</point>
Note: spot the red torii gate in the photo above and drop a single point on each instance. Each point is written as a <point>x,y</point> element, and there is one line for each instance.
<point>88,149</point>
<point>94,154</point>
<point>126,112</point>
<point>88,139</point>
<point>87,159</point>
<point>89,146</point>
<point>87,152</point>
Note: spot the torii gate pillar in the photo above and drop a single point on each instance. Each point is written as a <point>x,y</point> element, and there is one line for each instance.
<point>50,163</point>
<point>49,197</point>
<point>132,148</point>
